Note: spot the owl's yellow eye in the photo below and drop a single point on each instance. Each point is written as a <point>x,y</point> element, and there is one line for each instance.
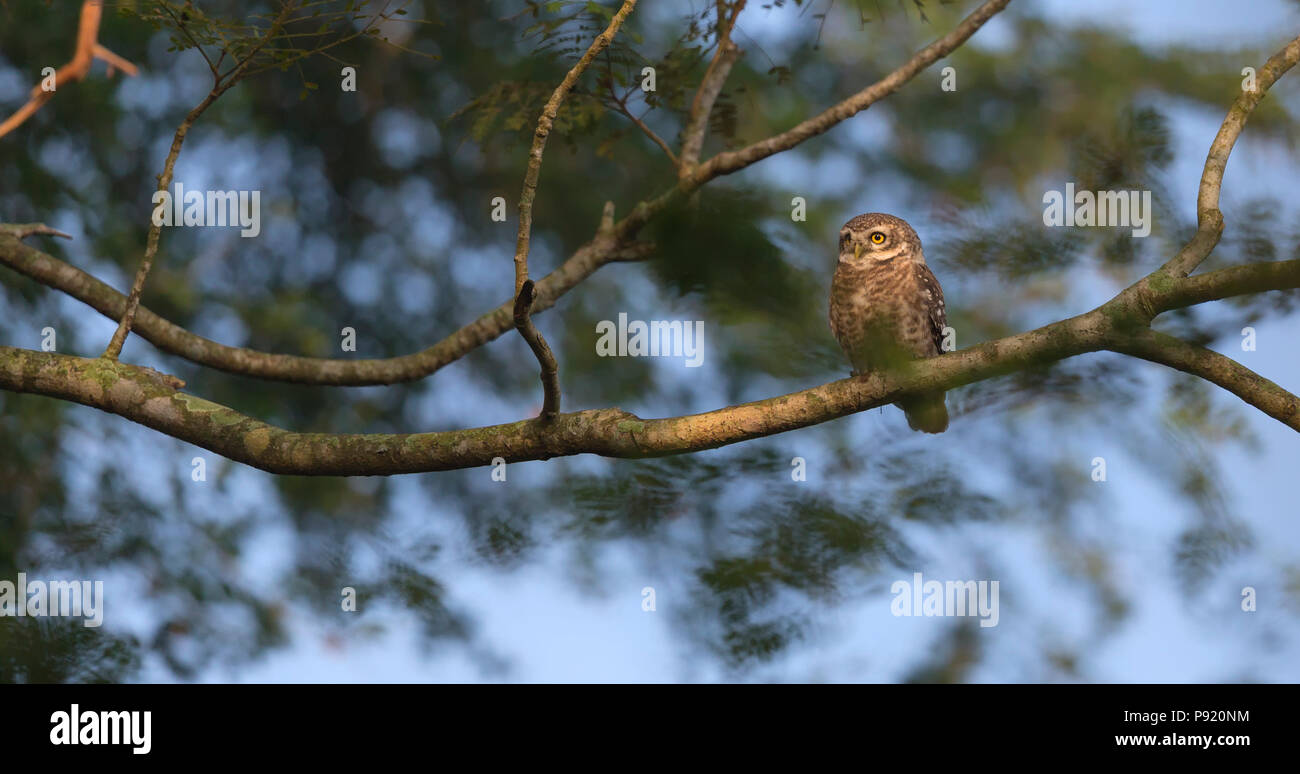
<point>877,238</point>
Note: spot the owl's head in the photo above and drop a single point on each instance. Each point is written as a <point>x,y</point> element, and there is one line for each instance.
<point>877,238</point>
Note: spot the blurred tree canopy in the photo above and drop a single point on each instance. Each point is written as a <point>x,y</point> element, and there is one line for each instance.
<point>377,217</point>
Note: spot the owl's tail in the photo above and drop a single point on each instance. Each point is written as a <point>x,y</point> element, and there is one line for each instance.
<point>926,413</point>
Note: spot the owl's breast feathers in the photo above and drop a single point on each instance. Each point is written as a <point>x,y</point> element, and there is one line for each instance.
<point>886,311</point>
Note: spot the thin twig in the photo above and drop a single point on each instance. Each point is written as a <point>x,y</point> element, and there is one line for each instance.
<point>621,106</point>
<point>24,230</point>
<point>697,122</point>
<point>88,49</point>
<point>544,124</point>
<point>550,369</point>
<point>115,345</point>
<point>524,289</point>
<point>1209,218</point>
<point>732,161</point>
<point>180,25</point>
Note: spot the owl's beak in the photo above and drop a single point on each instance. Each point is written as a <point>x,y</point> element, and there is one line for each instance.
<point>857,250</point>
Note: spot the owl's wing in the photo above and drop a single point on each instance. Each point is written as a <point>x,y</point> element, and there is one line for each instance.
<point>932,299</point>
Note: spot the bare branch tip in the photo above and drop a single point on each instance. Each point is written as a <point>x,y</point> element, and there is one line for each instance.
<point>24,230</point>
<point>607,218</point>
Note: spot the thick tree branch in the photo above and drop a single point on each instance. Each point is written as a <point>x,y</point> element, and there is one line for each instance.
<point>1215,368</point>
<point>613,245</point>
<point>1226,283</point>
<point>152,399</point>
<point>175,340</point>
<point>146,397</point>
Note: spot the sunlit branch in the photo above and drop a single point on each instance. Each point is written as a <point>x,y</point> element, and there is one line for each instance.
<point>88,49</point>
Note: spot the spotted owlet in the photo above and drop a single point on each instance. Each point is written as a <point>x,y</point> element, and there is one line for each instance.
<point>887,307</point>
